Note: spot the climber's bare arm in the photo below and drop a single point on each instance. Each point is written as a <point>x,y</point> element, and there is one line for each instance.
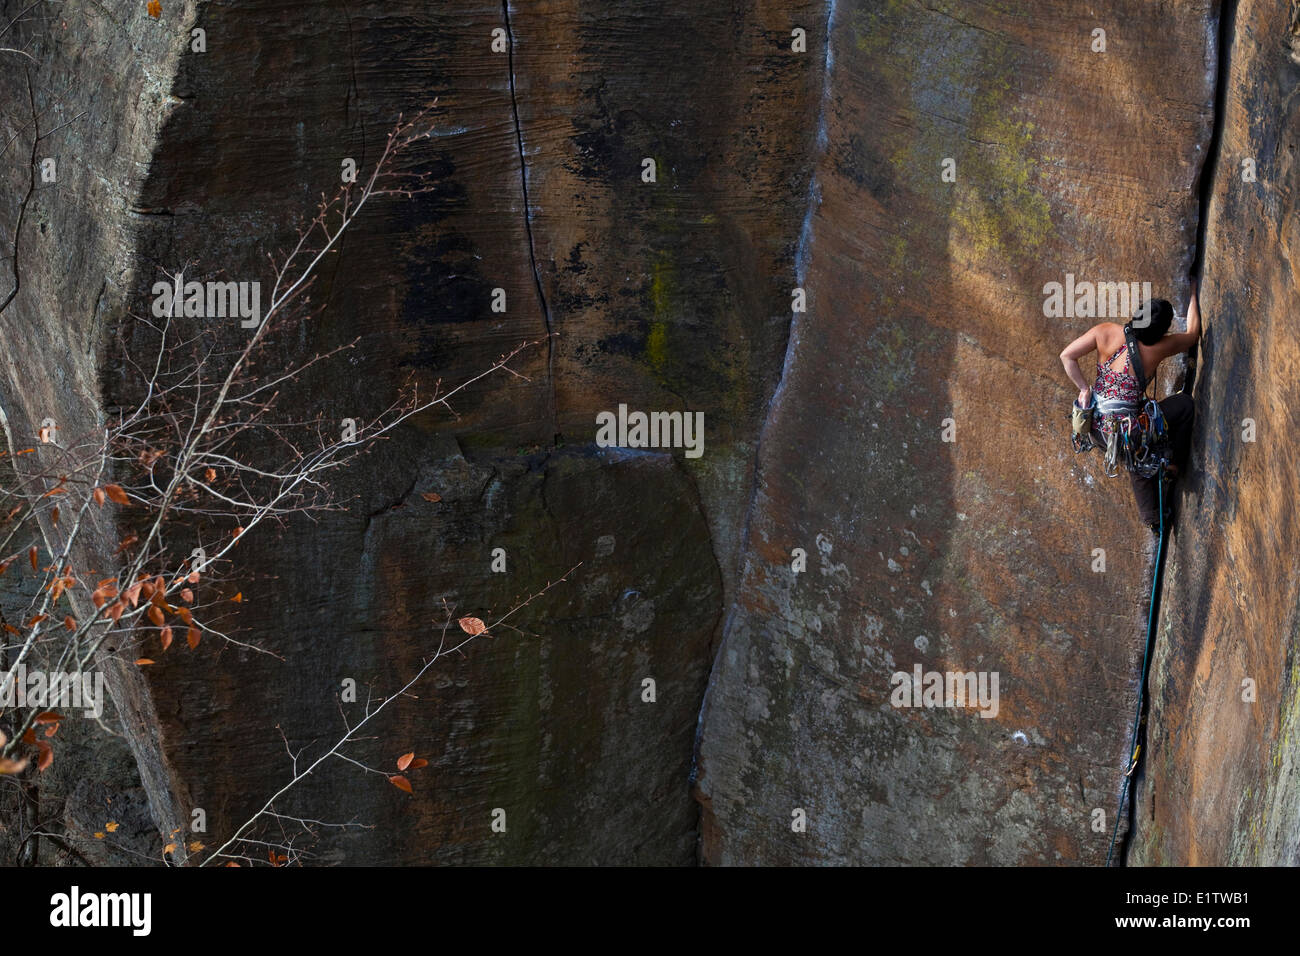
<point>1070,356</point>
<point>1177,342</point>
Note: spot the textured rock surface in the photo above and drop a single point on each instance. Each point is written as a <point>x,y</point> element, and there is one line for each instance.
<point>925,304</point>
<point>775,170</point>
<point>1222,780</point>
<point>664,296</point>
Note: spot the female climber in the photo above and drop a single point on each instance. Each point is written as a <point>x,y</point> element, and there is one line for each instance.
<point>1113,413</point>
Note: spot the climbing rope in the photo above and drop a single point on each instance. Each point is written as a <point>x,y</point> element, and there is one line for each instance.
<point>1134,747</point>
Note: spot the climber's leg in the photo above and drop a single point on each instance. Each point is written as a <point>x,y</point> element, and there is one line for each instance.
<point>1146,495</point>
<point>1179,411</point>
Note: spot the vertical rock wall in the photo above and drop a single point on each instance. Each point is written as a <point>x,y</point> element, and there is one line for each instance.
<point>926,308</point>
<point>1221,783</point>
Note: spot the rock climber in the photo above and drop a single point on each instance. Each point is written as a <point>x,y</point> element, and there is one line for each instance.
<point>1147,437</point>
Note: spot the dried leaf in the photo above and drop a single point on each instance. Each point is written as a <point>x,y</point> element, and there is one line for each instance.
<point>238,598</point>
<point>115,610</point>
<point>195,847</point>
<point>143,661</point>
<point>46,756</point>
<point>132,593</point>
<point>51,730</point>
<point>156,616</point>
<point>184,614</point>
<point>404,760</point>
<point>99,496</point>
<point>472,626</point>
<point>209,475</point>
<point>31,556</point>
<point>431,496</point>
<point>154,8</point>
<point>400,782</point>
<point>116,494</point>
<point>110,826</point>
<point>54,516</point>
<point>37,620</point>
<point>12,766</point>
<point>169,848</point>
<point>232,863</point>
<point>193,577</point>
<point>192,637</point>
<point>187,595</point>
<point>165,635</point>
<point>418,763</point>
<point>49,717</point>
<point>70,623</point>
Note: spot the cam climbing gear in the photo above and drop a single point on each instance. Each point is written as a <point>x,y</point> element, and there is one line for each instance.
<point>1081,426</point>
<point>1139,719</point>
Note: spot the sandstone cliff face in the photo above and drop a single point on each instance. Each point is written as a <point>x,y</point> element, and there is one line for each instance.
<point>1221,779</point>
<point>776,170</point>
<point>926,305</point>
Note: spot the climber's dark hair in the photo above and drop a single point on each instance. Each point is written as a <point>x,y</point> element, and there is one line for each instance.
<point>1161,315</point>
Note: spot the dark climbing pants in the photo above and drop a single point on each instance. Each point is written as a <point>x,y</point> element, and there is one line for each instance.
<point>1179,411</point>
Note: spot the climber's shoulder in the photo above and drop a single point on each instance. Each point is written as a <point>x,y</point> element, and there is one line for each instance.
<point>1110,336</point>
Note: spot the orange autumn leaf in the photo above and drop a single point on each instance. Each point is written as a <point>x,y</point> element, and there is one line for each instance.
<point>143,662</point>
<point>418,763</point>
<point>472,626</point>
<point>51,730</point>
<point>116,494</point>
<point>187,595</point>
<point>12,766</point>
<point>192,637</point>
<point>31,556</point>
<point>238,598</point>
<point>132,593</point>
<point>37,620</point>
<point>165,635</point>
<point>99,496</point>
<point>70,623</point>
<point>49,717</point>
<point>46,756</point>
<point>232,863</point>
<point>54,516</point>
<point>431,496</point>
<point>401,783</point>
<point>154,8</point>
<point>111,826</point>
<point>114,612</point>
<point>184,614</point>
<point>209,475</point>
<point>193,577</point>
<point>404,760</point>
<point>55,491</point>
<point>156,616</point>
<point>169,848</point>
<point>4,565</point>
<point>10,629</point>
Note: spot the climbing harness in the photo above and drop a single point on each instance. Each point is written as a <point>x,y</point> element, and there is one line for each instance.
<point>1132,433</point>
<point>1135,748</point>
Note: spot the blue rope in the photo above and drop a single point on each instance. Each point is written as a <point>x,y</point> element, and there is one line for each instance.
<point>1146,662</point>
